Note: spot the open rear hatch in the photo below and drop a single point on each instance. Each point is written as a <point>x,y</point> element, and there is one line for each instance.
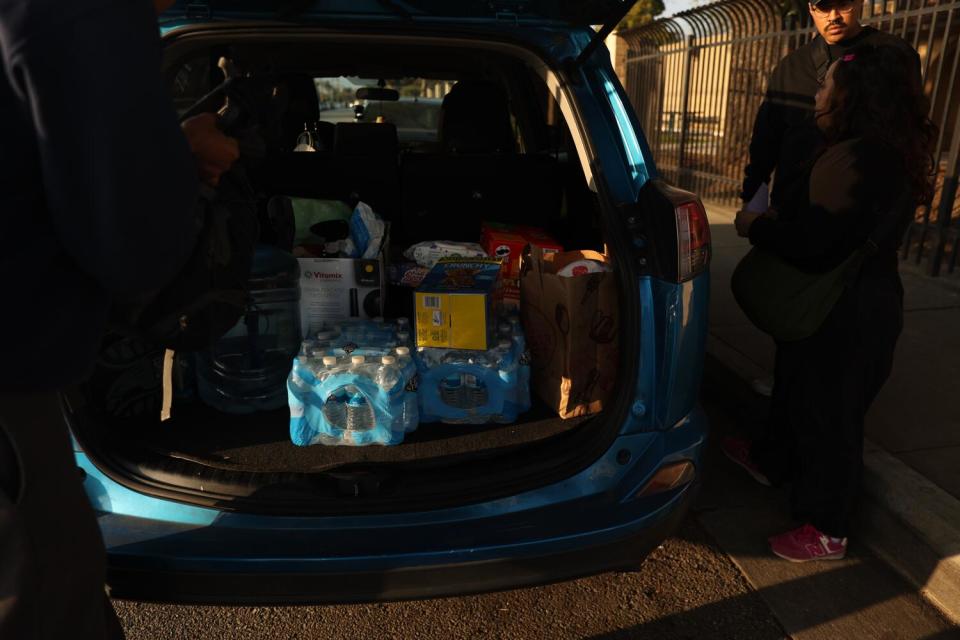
<point>247,462</point>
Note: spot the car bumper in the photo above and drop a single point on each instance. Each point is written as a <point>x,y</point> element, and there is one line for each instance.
<point>623,548</point>
<point>594,521</point>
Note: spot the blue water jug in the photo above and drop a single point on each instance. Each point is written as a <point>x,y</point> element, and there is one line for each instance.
<point>246,370</point>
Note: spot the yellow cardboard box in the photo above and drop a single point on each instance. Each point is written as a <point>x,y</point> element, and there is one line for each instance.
<point>454,305</point>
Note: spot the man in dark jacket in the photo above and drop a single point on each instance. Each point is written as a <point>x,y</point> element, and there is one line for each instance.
<point>98,191</point>
<point>785,136</point>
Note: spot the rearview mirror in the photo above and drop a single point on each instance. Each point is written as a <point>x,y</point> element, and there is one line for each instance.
<point>378,93</point>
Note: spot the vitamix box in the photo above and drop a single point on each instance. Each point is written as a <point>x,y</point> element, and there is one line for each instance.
<point>454,305</point>
<point>340,288</point>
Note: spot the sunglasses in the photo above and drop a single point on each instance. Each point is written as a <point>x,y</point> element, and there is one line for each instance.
<point>844,7</point>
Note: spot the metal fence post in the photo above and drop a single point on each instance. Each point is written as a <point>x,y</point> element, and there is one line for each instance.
<point>685,112</point>
<point>948,194</point>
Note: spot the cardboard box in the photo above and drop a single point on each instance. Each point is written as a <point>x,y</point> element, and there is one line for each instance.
<point>339,288</point>
<point>507,242</point>
<point>454,305</point>
<point>572,327</point>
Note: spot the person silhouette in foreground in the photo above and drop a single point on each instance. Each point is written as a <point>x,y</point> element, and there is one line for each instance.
<point>98,200</point>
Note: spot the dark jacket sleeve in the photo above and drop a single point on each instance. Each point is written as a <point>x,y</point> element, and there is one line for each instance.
<point>882,38</point>
<point>819,239</point>
<point>119,179</point>
<point>768,130</point>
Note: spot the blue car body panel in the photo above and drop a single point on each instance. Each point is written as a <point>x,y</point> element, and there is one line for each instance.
<point>147,536</point>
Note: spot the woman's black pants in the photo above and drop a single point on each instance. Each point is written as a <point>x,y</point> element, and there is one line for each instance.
<point>823,387</point>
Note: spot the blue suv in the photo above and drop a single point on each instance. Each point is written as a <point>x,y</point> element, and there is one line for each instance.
<point>218,508</point>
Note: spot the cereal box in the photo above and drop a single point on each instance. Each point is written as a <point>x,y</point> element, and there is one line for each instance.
<point>454,304</point>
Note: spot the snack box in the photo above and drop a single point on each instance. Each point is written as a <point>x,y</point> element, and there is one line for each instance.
<point>507,242</point>
<point>454,305</point>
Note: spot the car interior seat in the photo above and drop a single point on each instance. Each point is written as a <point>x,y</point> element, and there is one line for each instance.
<point>367,156</point>
<point>479,175</point>
<point>475,118</point>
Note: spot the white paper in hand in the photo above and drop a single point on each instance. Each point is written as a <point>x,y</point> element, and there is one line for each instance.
<point>760,201</point>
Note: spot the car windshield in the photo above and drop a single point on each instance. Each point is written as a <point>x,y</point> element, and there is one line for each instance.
<point>416,113</point>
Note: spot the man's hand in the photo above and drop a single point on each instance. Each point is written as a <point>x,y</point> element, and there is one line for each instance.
<point>214,151</point>
<point>744,220</point>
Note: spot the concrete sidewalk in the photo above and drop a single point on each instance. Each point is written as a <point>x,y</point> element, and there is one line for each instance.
<point>911,511</point>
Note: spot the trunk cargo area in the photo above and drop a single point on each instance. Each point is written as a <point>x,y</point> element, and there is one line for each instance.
<point>260,442</point>
<point>426,190</point>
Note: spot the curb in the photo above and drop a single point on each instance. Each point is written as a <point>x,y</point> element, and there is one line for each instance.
<point>910,523</point>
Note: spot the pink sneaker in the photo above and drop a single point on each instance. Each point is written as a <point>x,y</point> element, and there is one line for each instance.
<point>808,543</point>
<point>738,450</point>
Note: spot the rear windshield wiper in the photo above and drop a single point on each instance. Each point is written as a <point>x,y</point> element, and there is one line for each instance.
<point>618,14</point>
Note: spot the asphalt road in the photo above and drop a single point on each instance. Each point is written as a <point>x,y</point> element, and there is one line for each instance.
<point>685,589</point>
<point>688,588</point>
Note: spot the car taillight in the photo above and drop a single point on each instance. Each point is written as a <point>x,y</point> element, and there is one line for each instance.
<point>693,239</point>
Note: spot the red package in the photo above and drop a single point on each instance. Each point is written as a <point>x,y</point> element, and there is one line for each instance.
<point>507,242</point>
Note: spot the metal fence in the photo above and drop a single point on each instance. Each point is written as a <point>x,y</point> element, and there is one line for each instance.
<point>696,81</point>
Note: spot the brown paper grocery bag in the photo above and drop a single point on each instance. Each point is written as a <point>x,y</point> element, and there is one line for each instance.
<point>571,327</point>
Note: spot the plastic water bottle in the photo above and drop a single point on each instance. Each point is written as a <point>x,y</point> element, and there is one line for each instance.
<point>299,384</point>
<point>475,393</point>
<point>403,324</point>
<point>403,338</point>
<point>324,340</point>
<point>516,329</point>
<point>431,356</point>
<point>358,413</point>
<point>334,405</point>
<point>407,365</point>
<point>451,391</point>
<point>499,353</point>
<point>358,416</point>
<point>307,346</point>
<point>411,411</point>
<point>339,400</point>
<point>388,375</point>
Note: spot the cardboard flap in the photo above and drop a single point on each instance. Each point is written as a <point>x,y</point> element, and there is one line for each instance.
<point>531,261</point>
<point>554,262</point>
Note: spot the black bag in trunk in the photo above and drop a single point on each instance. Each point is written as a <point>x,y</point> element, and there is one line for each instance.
<point>209,295</point>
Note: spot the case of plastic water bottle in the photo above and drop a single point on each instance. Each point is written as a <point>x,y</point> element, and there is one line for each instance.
<point>354,383</point>
<point>476,387</point>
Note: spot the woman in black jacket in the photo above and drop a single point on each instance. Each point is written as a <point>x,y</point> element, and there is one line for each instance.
<point>877,163</point>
